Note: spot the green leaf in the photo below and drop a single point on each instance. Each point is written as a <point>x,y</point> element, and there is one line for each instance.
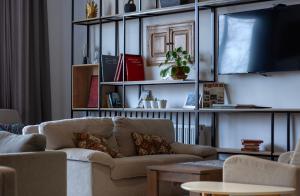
<point>173,71</point>
<point>184,52</point>
<point>178,62</point>
<point>186,69</point>
<point>174,54</point>
<point>166,61</point>
<point>179,49</point>
<point>184,63</point>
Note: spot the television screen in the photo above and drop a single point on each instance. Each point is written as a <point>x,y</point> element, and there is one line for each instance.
<point>260,41</point>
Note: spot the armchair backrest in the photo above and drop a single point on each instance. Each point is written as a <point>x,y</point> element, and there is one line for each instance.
<point>123,127</point>
<point>296,155</point>
<point>8,116</point>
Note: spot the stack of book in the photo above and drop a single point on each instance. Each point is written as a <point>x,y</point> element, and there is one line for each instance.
<point>251,145</point>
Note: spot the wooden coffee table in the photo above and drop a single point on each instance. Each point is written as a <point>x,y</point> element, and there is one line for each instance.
<point>225,189</point>
<point>183,172</point>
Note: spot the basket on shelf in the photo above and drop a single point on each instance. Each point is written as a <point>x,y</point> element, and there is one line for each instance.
<point>169,3</point>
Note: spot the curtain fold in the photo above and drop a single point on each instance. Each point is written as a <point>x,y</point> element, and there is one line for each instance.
<point>24,59</point>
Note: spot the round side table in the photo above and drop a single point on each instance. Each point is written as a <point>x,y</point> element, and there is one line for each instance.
<point>226,189</point>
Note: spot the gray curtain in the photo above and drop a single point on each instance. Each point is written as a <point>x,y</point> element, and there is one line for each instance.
<point>24,59</point>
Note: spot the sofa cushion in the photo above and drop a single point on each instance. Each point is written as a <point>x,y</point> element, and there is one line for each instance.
<point>89,141</point>
<point>150,144</point>
<point>130,167</point>
<point>125,126</point>
<point>11,143</point>
<point>15,128</point>
<point>59,134</point>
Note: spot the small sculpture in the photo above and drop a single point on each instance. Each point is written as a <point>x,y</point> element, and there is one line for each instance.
<point>130,6</point>
<point>91,9</point>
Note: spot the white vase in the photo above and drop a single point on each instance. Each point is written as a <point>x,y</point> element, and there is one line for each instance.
<point>154,104</point>
<point>162,104</point>
<point>147,104</point>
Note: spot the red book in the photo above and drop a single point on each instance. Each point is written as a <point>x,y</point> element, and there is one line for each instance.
<point>93,98</point>
<point>134,67</point>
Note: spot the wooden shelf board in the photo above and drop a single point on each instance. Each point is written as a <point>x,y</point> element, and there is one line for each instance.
<point>238,151</point>
<point>86,65</point>
<point>250,110</point>
<point>85,109</point>
<point>149,82</point>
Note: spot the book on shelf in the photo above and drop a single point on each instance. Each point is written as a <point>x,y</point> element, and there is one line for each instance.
<point>250,141</point>
<point>93,95</point>
<point>109,67</point>
<point>114,100</point>
<point>134,68</point>
<point>213,93</point>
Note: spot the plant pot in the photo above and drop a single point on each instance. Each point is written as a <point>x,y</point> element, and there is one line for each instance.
<point>154,104</point>
<point>162,104</point>
<point>168,3</point>
<point>147,104</point>
<point>179,74</point>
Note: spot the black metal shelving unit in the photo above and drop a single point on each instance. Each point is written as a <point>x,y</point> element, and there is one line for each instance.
<point>175,114</point>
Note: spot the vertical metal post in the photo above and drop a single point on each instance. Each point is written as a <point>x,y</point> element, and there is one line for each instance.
<point>117,29</point>
<point>189,134</point>
<point>197,61</point>
<point>124,57</point>
<point>116,7</point>
<point>214,36</point>
<point>176,132</point>
<point>272,135</point>
<point>157,4</point>
<point>140,5</point>
<point>183,128</point>
<point>100,62</point>
<point>213,130</point>
<point>72,57</point>
<point>288,131</point>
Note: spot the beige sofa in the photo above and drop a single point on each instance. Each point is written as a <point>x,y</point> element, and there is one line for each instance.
<point>252,170</point>
<point>93,173</point>
<point>7,181</point>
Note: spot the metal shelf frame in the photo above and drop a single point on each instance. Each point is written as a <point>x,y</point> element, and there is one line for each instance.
<point>187,115</point>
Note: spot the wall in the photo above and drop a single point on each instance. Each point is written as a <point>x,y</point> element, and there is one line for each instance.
<point>276,90</point>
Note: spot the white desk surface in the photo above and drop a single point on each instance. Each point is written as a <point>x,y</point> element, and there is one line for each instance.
<point>234,188</point>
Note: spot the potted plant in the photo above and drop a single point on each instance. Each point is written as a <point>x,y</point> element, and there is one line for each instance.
<point>147,103</point>
<point>154,103</point>
<point>162,104</point>
<point>177,62</point>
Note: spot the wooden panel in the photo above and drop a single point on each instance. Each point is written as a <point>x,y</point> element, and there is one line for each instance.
<point>158,44</point>
<point>163,38</point>
<point>81,84</point>
<point>182,36</point>
<point>175,177</point>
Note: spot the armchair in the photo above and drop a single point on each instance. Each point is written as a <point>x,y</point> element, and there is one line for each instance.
<point>7,182</point>
<point>251,170</point>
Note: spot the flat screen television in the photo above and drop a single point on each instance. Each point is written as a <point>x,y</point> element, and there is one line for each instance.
<point>260,41</point>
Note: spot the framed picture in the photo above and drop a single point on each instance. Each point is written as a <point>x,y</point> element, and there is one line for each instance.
<point>145,94</point>
<point>191,101</point>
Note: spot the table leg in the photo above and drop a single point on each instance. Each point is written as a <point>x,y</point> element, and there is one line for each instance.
<point>152,183</point>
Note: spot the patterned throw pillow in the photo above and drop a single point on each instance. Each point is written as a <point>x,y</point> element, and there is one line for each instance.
<point>150,144</point>
<point>88,141</point>
<point>15,128</point>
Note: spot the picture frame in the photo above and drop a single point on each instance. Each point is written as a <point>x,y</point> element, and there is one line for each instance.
<point>190,101</point>
<point>145,94</point>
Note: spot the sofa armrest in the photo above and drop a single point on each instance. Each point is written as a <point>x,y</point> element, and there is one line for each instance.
<point>198,150</point>
<point>30,129</point>
<point>38,173</point>
<point>92,156</point>
<point>251,170</point>
<point>286,157</point>
<point>8,182</point>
